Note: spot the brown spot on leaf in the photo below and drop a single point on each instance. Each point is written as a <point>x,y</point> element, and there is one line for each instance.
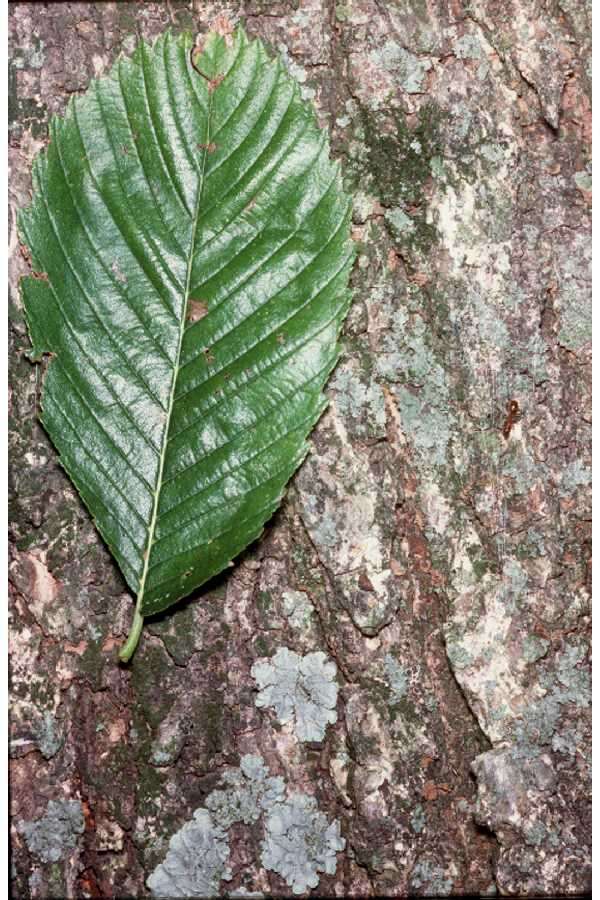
<point>208,355</point>
<point>214,83</point>
<point>281,338</point>
<point>41,276</point>
<point>210,148</point>
<point>197,309</point>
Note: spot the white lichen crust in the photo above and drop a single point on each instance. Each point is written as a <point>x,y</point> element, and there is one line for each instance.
<point>300,842</point>
<point>196,862</point>
<point>301,689</point>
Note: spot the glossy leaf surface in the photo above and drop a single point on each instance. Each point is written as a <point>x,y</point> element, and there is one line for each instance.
<point>190,243</point>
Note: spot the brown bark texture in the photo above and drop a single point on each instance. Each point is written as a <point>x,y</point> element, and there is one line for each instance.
<point>433,549</point>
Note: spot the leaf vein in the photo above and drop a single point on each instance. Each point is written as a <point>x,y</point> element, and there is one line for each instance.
<point>91,305</point>
<point>237,436</point>
<point>82,446</point>
<point>174,281</point>
<point>166,167</point>
<point>104,430</point>
<point>259,266</point>
<point>98,256</point>
<point>262,339</point>
<point>176,119</point>
<point>222,398</point>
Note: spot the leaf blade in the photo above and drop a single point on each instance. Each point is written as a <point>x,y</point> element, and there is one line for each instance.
<point>195,286</point>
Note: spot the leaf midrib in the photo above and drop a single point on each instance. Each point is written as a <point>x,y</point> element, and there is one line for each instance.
<point>176,368</point>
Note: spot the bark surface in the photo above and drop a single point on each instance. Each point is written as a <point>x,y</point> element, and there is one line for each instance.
<point>435,544</point>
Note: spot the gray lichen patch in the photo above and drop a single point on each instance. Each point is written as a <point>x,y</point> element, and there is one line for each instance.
<point>300,842</point>
<point>301,689</point>
<point>53,836</point>
<point>344,506</point>
<point>250,791</point>
<point>396,677</point>
<point>359,399</point>
<point>297,609</point>
<point>430,878</point>
<point>196,862</point>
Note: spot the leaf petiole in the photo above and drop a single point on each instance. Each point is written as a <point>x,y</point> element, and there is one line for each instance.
<point>128,648</point>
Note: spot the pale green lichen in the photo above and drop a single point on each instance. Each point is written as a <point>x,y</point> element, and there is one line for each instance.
<point>359,399</point>
<point>396,678</point>
<point>247,895</point>
<point>363,203</point>
<point>300,843</point>
<point>426,422</point>
<point>409,70</point>
<point>583,180</point>
<point>537,833</point>
<point>570,742</point>
<point>406,359</point>
<point>575,681</point>
<point>534,648</point>
<point>31,57</point>
<point>300,689</point>
<point>49,740</point>
<point>567,685</point>
<point>55,834</point>
<point>250,791</point>
<point>297,609</point>
<point>467,47</point>
<point>432,877</point>
<point>196,862</point>
<point>199,852</point>
<point>400,222</point>
<point>298,72</point>
<point>418,819</point>
<point>574,475</point>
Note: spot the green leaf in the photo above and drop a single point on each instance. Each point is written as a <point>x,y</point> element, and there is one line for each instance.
<point>190,244</point>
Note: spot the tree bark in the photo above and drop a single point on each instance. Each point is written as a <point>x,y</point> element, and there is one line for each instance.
<point>435,544</point>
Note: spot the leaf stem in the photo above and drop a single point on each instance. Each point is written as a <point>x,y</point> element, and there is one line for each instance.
<point>128,648</point>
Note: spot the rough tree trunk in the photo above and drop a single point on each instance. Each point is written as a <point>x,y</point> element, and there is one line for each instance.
<point>433,545</point>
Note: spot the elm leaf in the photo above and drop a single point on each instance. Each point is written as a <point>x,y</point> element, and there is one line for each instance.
<point>190,247</point>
